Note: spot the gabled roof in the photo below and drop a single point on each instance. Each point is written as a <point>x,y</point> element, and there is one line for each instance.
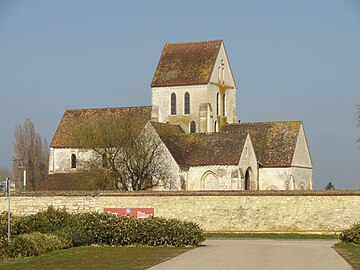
<point>73,121</point>
<point>274,142</point>
<point>200,149</point>
<point>186,63</point>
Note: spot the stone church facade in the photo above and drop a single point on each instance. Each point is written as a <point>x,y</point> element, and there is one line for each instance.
<point>194,93</point>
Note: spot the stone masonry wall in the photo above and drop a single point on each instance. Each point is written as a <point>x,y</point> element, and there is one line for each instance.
<point>237,211</point>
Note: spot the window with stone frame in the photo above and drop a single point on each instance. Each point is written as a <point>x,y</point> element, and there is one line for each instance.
<point>192,127</point>
<point>173,104</point>
<point>224,105</point>
<point>73,161</point>
<point>187,103</point>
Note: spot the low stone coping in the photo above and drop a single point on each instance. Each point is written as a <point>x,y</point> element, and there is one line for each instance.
<point>186,193</point>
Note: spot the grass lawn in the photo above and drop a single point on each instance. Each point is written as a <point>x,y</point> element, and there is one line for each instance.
<point>350,252</point>
<point>270,236</point>
<point>96,257</point>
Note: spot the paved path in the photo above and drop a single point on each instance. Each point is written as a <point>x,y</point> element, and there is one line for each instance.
<point>259,254</point>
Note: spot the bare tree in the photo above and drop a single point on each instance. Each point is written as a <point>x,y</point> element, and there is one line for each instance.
<point>30,153</point>
<point>5,172</point>
<point>122,156</point>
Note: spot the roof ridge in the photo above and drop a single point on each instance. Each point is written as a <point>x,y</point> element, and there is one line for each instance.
<point>266,122</point>
<point>108,108</point>
<point>190,42</point>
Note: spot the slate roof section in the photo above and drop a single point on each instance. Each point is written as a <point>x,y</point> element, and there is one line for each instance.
<point>188,63</point>
<point>274,142</point>
<point>73,121</point>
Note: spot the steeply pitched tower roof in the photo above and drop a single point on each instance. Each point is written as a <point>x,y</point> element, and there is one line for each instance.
<point>186,63</point>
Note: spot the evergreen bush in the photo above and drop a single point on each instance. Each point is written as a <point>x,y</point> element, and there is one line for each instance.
<point>57,229</point>
<point>351,235</point>
<point>25,245</point>
<point>47,221</point>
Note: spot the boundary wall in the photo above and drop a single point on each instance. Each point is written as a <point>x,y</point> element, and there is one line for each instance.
<point>215,211</point>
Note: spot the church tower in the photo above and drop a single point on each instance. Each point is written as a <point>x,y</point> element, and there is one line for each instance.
<point>193,87</point>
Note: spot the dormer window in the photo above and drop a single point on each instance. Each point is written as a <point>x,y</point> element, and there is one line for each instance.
<point>173,104</point>
<point>187,103</point>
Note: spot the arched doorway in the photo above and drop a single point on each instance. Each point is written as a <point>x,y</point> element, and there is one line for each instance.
<point>209,181</point>
<point>248,179</point>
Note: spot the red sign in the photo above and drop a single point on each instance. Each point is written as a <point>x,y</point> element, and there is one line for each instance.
<point>135,212</point>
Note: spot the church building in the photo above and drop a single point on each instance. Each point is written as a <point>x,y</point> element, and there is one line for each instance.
<point>194,95</point>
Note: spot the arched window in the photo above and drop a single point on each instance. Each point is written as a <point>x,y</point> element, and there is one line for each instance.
<point>173,104</point>
<point>192,127</point>
<point>187,103</point>
<point>224,105</point>
<point>104,161</point>
<point>217,103</point>
<point>73,161</point>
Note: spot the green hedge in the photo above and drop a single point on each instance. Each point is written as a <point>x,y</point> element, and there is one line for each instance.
<point>94,228</point>
<point>47,221</point>
<point>33,244</point>
<point>351,235</point>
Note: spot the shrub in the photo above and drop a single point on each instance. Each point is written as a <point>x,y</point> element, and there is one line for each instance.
<point>110,229</point>
<point>47,221</point>
<point>33,244</point>
<point>351,235</point>
<point>4,226</point>
<point>173,232</point>
<point>49,227</point>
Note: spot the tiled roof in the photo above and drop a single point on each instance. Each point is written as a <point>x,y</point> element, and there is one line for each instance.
<point>202,149</point>
<point>167,131</point>
<point>63,181</point>
<point>186,63</point>
<point>74,121</point>
<point>215,148</point>
<point>274,142</point>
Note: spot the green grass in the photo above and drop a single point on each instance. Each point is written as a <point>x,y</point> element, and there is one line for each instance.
<point>350,252</point>
<point>96,257</point>
<point>270,236</point>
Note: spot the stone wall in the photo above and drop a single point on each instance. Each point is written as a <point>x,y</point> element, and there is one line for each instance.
<point>238,211</point>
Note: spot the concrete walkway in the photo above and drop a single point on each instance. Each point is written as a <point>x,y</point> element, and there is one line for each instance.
<point>259,254</point>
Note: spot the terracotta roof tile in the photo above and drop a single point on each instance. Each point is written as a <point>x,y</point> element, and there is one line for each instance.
<point>274,142</point>
<point>186,63</point>
<point>207,149</point>
<point>73,121</point>
<point>63,181</point>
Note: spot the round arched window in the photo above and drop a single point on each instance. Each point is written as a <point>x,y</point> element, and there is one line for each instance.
<point>192,127</point>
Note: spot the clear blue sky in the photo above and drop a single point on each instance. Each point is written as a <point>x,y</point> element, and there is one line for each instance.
<point>292,60</point>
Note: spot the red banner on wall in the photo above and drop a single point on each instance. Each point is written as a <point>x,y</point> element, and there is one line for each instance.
<point>135,212</point>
